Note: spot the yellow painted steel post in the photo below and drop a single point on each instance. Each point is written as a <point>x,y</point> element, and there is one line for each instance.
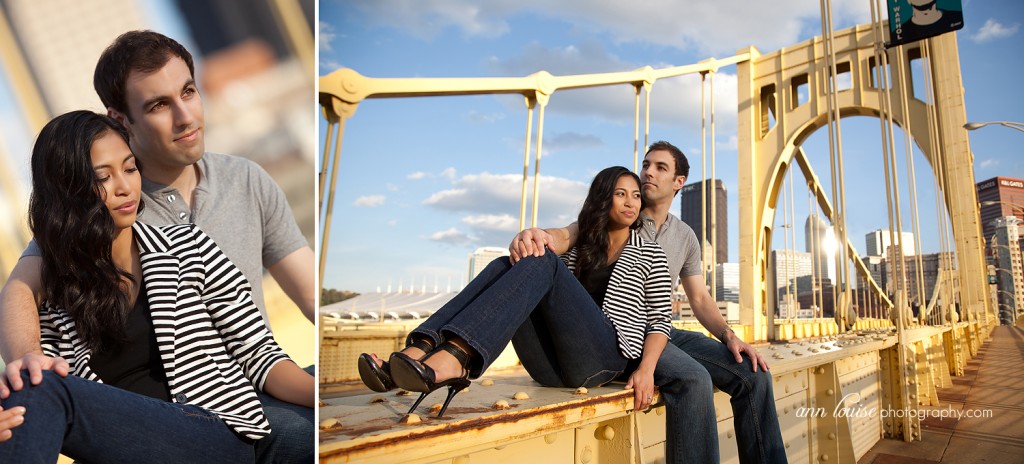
<point>703,175</point>
<point>542,99</point>
<point>647,119</point>
<point>714,206</point>
<point>332,123</point>
<point>636,128</point>
<point>300,37</point>
<point>531,101</point>
<point>325,238</point>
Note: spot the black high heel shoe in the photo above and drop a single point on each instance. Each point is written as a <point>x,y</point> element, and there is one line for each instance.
<point>414,375</point>
<point>378,377</point>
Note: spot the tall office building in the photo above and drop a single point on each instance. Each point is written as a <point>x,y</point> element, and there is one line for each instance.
<point>481,257</point>
<point>786,268</point>
<point>819,240</point>
<point>61,41</point>
<point>879,240</point>
<point>727,282</point>
<point>224,23</point>
<point>1009,273</point>
<point>690,213</point>
<point>1005,196</point>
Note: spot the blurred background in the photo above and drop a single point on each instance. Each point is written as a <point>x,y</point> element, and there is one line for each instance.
<point>254,65</point>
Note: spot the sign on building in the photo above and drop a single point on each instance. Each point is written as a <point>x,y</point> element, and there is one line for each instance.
<point>913,20</point>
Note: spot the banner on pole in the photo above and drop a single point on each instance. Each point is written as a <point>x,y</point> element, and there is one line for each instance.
<point>913,20</point>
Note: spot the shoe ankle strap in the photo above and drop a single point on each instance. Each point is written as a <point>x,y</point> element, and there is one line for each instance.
<point>457,351</point>
<point>424,344</point>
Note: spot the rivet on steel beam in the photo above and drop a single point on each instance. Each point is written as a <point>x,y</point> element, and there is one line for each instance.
<point>831,436</point>
<point>823,457</point>
<point>830,392</point>
<point>587,455</point>
<point>606,433</point>
<point>550,438</point>
<point>461,460</point>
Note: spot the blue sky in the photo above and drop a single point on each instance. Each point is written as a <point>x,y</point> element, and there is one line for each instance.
<point>425,181</point>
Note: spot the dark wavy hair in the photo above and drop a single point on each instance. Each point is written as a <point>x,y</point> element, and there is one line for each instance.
<point>592,244</point>
<point>74,229</point>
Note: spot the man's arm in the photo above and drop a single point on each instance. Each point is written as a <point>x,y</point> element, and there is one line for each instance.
<point>19,318</point>
<point>532,242</point>
<point>294,273</point>
<point>287,382</point>
<point>707,313</point>
<point>19,327</point>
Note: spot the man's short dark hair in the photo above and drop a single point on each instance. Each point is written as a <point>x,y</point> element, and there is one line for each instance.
<point>142,51</point>
<point>682,165</point>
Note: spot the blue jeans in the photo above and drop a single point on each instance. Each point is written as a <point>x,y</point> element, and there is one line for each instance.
<point>562,337</point>
<point>92,422</point>
<point>291,438</point>
<point>690,366</point>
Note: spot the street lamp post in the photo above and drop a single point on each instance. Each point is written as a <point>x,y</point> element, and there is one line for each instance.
<point>978,125</point>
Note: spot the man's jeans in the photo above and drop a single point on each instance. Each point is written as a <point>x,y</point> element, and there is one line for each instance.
<point>690,366</point>
<point>562,337</point>
<point>291,438</point>
<point>92,422</point>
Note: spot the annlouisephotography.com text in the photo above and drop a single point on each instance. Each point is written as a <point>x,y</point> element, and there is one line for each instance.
<point>850,407</point>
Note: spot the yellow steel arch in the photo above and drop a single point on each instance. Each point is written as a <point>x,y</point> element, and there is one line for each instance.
<point>768,88</point>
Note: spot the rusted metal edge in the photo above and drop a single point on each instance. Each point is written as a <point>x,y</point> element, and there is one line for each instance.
<point>479,423</point>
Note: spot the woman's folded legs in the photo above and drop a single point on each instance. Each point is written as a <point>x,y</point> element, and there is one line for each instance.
<point>92,422</point>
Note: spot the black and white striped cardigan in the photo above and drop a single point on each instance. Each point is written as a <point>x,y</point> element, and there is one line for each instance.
<point>215,348</point>
<point>638,299</point>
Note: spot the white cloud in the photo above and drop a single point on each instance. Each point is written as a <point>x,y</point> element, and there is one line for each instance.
<point>988,163</point>
<point>494,222</point>
<point>391,187</point>
<point>326,36</point>
<point>993,30</point>
<point>417,175</point>
<point>453,236</point>
<point>393,222</point>
<point>448,173</point>
<point>490,203</point>
<point>484,118</point>
<point>717,27</point>
<point>370,201</point>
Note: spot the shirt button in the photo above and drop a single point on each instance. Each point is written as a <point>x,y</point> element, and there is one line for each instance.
<point>171,198</point>
<point>181,398</point>
<point>182,215</point>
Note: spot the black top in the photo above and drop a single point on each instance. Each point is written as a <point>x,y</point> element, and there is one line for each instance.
<point>135,365</point>
<point>596,282</point>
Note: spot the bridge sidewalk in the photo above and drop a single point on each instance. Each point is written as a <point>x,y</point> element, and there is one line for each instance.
<point>993,381</point>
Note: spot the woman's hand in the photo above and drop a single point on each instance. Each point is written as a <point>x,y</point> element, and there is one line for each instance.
<point>10,419</point>
<point>642,383</point>
<point>529,242</point>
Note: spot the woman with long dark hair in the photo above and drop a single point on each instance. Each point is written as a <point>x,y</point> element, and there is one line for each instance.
<point>601,312</point>
<point>164,343</point>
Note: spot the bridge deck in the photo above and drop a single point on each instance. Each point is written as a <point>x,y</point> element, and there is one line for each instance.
<point>994,381</point>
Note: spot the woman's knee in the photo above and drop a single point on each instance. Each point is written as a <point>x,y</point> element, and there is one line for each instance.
<point>51,384</point>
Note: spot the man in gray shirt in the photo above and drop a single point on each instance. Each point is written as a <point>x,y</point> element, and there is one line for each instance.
<point>147,82</point>
<point>691,363</point>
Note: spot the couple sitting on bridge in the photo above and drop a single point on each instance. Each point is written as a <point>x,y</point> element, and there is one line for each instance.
<point>602,315</point>
<point>171,360</point>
